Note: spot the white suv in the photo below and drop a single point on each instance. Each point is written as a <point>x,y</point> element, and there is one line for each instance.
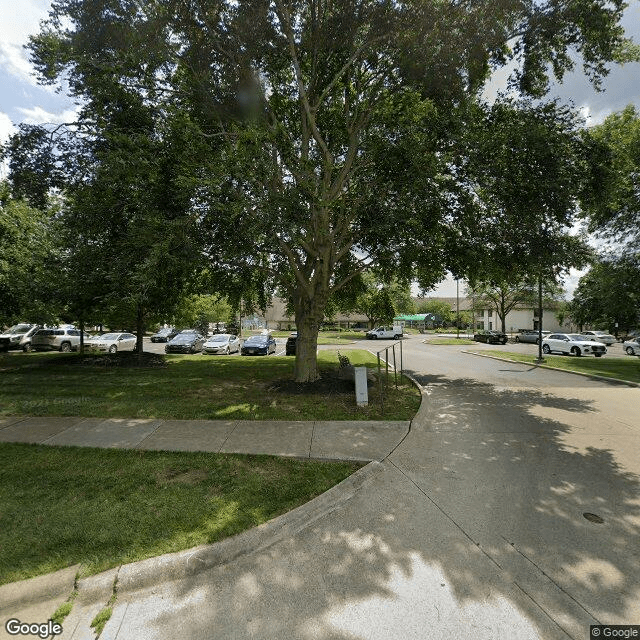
<point>61,339</point>
<point>572,343</point>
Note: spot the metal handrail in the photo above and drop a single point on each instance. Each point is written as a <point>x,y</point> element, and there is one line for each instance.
<point>395,368</point>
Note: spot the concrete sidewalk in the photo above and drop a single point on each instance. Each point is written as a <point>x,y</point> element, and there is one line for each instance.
<point>36,599</point>
<point>324,440</point>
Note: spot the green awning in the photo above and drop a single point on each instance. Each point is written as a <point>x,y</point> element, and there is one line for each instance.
<point>416,317</point>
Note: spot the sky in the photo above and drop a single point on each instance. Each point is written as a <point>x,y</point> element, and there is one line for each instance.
<point>23,100</point>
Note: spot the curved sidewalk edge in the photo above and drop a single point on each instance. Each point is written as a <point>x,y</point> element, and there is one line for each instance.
<point>99,588</point>
<point>546,366</point>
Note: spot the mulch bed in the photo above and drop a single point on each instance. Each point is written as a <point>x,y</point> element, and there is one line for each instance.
<point>125,359</point>
<point>331,383</point>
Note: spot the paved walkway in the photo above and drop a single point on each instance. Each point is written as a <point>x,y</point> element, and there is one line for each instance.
<point>333,440</point>
<point>473,527</point>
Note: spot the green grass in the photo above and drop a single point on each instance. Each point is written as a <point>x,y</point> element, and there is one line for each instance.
<point>620,368</point>
<point>103,507</point>
<point>328,337</point>
<point>449,341</point>
<point>189,387</point>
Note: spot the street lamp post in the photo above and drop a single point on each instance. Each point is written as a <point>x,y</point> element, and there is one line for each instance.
<point>457,308</point>
<point>540,358</point>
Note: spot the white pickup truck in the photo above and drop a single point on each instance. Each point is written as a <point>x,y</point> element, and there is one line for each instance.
<point>394,332</point>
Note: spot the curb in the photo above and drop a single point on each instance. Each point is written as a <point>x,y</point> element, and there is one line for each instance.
<point>183,564</point>
<point>546,366</point>
<point>19,594</point>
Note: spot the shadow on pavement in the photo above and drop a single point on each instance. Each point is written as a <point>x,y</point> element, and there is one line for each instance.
<point>475,529</point>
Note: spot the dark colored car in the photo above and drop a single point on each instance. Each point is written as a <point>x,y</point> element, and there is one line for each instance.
<point>164,335</point>
<point>187,341</point>
<point>491,337</point>
<point>258,346</point>
<point>290,348</point>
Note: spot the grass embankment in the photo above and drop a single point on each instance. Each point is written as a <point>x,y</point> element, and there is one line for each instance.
<point>101,508</point>
<point>188,387</point>
<point>620,368</point>
<point>449,341</point>
<point>328,337</point>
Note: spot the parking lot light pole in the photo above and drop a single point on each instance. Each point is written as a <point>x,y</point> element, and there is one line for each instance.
<point>540,359</point>
<point>458,308</point>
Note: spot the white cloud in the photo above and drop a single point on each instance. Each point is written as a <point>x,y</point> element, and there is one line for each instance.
<point>21,19</point>
<point>37,115</point>
<point>13,59</point>
<point>6,127</point>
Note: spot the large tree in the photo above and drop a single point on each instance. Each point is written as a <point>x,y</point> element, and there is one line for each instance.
<point>29,254</point>
<point>614,206</point>
<point>334,120</point>
<point>607,296</point>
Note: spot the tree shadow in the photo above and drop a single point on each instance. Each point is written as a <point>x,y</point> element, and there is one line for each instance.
<point>473,528</point>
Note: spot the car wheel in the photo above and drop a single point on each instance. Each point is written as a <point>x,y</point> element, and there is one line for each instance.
<point>517,338</point>
<point>537,340</point>
<point>576,352</point>
<point>27,347</point>
<point>504,342</point>
<point>65,347</point>
<point>546,349</point>
<point>113,349</point>
<point>630,351</point>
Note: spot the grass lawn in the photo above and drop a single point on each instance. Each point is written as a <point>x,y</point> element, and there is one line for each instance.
<point>104,507</point>
<point>189,387</point>
<point>328,337</point>
<point>449,341</point>
<point>621,368</point>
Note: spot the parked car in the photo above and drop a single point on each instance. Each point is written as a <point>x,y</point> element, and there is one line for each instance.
<point>600,336</point>
<point>60,339</point>
<point>112,342</point>
<point>572,343</point>
<point>223,343</point>
<point>18,337</point>
<point>164,335</point>
<point>632,347</point>
<point>187,341</point>
<point>290,347</point>
<point>258,345</point>
<point>490,337</point>
<point>531,335</point>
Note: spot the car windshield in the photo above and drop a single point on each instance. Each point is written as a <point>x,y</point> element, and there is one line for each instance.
<point>219,338</point>
<point>184,337</point>
<point>109,336</point>
<point>19,328</point>
<point>256,340</point>
<point>579,338</point>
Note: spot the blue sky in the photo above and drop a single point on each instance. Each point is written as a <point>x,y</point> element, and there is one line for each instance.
<point>23,100</point>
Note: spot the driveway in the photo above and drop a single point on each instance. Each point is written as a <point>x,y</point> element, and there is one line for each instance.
<point>472,528</point>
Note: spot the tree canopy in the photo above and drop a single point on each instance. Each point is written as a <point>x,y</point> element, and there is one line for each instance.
<point>607,296</point>
<point>332,132</point>
<point>614,208</point>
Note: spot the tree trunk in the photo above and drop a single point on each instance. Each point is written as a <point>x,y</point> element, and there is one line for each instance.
<point>309,315</point>
<point>81,348</point>
<point>139,333</point>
